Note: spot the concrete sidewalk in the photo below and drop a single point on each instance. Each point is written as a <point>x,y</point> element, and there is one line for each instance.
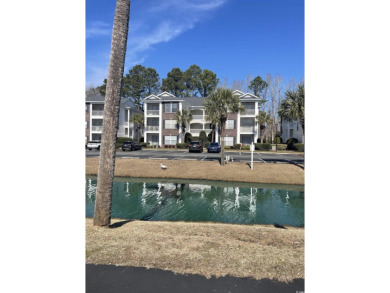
<point>109,278</point>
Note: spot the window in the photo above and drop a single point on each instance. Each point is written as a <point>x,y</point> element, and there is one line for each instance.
<point>86,124</point>
<point>171,107</point>
<point>86,108</point>
<point>170,124</point>
<point>230,124</point>
<point>229,141</point>
<point>126,131</point>
<point>170,139</point>
<point>126,116</point>
<point>291,133</point>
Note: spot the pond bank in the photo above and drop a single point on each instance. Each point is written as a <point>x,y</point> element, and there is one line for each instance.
<point>180,169</point>
<point>208,249</point>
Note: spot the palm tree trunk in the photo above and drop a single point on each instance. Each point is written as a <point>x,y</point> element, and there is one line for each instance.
<point>222,143</point>
<point>102,214</point>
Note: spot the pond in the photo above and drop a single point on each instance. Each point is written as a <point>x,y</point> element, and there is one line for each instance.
<point>194,200</point>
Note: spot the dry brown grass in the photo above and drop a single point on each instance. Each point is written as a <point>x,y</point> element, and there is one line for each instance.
<point>238,172</point>
<point>209,249</point>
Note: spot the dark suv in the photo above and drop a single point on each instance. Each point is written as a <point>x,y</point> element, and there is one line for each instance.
<point>131,146</point>
<point>195,146</point>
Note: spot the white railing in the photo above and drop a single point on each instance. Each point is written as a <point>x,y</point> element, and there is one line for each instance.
<point>152,112</point>
<point>97,128</point>
<point>97,113</point>
<point>247,128</point>
<point>152,128</point>
<point>249,112</point>
<point>198,117</point>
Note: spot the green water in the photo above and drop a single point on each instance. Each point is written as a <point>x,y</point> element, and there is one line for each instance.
<point>179,200</point>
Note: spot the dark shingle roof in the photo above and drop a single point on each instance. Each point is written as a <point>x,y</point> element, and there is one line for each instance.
<point>95,98</point>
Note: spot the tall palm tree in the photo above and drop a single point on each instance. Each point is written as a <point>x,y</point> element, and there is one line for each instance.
<point>183,118</point>
<point>138,121</point>
<point>102,214</point>
<point>293,107</point>
<point>223,101</point>
<point>213,118</point>
<point>264,120</point>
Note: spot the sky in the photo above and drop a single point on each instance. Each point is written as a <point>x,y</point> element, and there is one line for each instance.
<point>233,38</point>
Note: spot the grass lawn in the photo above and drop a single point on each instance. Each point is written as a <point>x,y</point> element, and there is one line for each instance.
<point>209,249</point>
<point>238,171</point>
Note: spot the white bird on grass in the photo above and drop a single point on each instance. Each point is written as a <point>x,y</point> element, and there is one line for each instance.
<point>163,166</point>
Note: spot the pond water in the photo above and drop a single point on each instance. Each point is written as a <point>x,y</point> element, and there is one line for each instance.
<point>190,200</point>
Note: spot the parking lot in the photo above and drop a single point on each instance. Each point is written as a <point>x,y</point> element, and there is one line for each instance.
<point>234,156</point>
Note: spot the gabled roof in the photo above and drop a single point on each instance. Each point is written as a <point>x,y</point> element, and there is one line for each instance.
<point>237,92</point>
<point>249,96</point>
<point>95,98</point>
<point>152,97</point>
<point>165,95</point>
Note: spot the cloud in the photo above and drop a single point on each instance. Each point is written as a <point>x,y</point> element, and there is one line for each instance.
<point>155,22</point>
<point>97,29</point>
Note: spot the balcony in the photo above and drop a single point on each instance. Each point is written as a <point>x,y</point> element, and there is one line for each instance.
<point>152,112</point>
<point>97,128</point>
<point>249,112</point>
<point>197,117</point>
<point>250,129</point>
<point>152,128</point>
<point>98,113</point>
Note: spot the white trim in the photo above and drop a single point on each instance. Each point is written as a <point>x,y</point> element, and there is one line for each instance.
<point>152,97</point>
<point>164,94</point>
<point>238,92</point>
<point>251,96</point>
<point>161,126</point>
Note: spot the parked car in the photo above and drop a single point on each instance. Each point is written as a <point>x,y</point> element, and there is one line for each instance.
<point>195,146</point>
<point>214,147</point>
<point>131,146</point>
<point>94,144</point>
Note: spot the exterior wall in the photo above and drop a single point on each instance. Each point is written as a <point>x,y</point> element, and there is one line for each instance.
<point>163,131</point>
<point>88,120</point>
<point>287,126</point>
<point>232,132</point>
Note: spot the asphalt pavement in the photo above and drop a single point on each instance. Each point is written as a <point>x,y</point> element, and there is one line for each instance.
<point>118,279</point>
<point>258,157</point>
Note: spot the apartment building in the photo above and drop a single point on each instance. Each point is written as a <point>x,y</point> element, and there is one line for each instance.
<point>290,129</point>
<point>94,110</point>
<point>161,128</point>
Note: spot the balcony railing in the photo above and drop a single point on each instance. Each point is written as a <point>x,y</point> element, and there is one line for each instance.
<point>152,112</point>
<point>97,128</point>
<point>97,113</point>
<point>152,128</point>
<point>198,117</point>
<point>249,112</point>
<point>247,128</point>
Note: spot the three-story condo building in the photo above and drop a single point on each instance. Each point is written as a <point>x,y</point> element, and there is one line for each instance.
<point>94,110</point>
<point>161,128</point>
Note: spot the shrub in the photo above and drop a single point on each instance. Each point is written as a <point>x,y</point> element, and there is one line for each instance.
<point>246,147</point>
<point>258,140</point>
<point>206,145</point>
<point>141,139</point>
<point>237,146</point>
<point>282,147</point>
<point>143,144</point>
<point>278,139</point>
<point>227,147</point>
<point>182,145</point>
<point>263,146</point>
<point>187,137</point>
<point>203,137</point>
<point>299,147</point>
<point>290,143</point>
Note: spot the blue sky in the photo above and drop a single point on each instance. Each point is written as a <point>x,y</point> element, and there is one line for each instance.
<point>233,38</point>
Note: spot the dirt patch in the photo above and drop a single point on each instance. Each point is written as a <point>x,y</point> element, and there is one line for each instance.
<point>237,172</point>
<point>209,249</point>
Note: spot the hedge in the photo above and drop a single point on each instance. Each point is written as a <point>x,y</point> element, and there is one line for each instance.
<point>182,145</point>
<point>246,147</point>
<point>299,147</point>
<point>120,140</point>
<point>143,144</point>
<point>281,146</point>
<point>227,147</point>
<point>237,146</point>
<point>263,146</point>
